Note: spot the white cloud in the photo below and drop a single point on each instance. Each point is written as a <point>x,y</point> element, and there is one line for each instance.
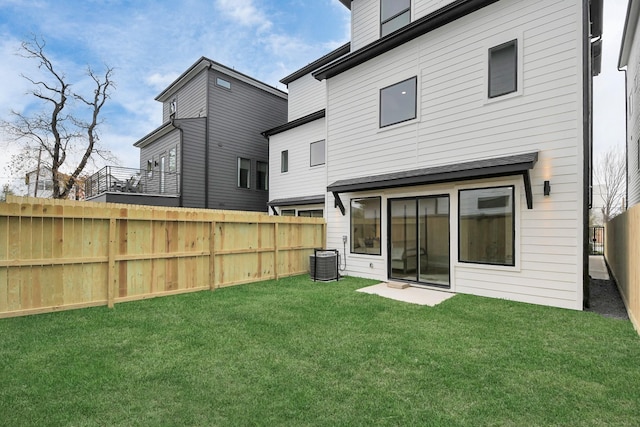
<point>245,13</point>
<point>161,81</point>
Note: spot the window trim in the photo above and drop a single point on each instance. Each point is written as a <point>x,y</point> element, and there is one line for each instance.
<point>415,104</point>
<point>514,222</point>
<point>324,153</point>
<point>351,238</point>
<point>266,175</point>
<point>391,18</point>
<point>223,86</point>
<point>284,165</point>
<point>495,42</point>
<point>240,159</point>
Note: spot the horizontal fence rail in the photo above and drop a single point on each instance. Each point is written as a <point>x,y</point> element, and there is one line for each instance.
<point>58,255</point>
<point>622,251</point>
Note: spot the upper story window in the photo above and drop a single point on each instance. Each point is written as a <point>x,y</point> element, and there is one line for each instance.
<point>317,153</point>
<point>173,160</point>
<point>398,102</point>
<point>394,14</point>
<point>284,161</point>
<point>503,69</point>
<point>223,83</point>
<point>173,107</point>
<point>244,168</point>
<point>262,174</point>
<point>150,168</point>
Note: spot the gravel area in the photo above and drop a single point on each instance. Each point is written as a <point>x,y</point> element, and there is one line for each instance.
<point>605,299</point>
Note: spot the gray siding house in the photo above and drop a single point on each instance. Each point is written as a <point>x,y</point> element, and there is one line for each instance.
<point>209,151</point>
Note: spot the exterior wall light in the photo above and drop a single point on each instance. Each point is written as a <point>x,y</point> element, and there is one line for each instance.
<point>547,188</point>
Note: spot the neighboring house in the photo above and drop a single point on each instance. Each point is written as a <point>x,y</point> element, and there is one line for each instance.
<point>208,153</point>
<point>457,138</point>
<point>40,184</point>
<point>629,62</point>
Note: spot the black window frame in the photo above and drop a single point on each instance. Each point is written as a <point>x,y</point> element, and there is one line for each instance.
<point>513,226</point>
<point>240,159</point>
<point>511,43</point>
<point>312,213</point>
<point>390,19</point>
<point>266,176</point>
<point>284,161</point>
<point>415,102</point>
<point>379,226</point>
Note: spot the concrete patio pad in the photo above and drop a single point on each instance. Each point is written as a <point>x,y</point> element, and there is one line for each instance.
<point>412,295</point>
<point>597,267</point>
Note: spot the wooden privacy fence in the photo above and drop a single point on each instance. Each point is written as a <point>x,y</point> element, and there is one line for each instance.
<point>622,252</point>
<point>58,255</point>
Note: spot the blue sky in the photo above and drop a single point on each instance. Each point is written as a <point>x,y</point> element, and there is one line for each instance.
<point>151,42</point>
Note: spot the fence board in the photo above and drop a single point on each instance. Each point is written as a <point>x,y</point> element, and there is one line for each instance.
<point>622,250</point>
<point>57,255</point>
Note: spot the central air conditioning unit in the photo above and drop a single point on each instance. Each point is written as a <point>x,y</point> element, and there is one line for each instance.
<point>323,265</point>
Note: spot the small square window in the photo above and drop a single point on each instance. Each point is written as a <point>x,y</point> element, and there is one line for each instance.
<point>284,161</point>
<point>398,102</point>
<point>503,69</point>
<point>244,175</point>
<point>317,153</point>
<point>223,83</point>
<point>262,176</point>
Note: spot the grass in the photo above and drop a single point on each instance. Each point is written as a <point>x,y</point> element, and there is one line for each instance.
<point>294,352</point>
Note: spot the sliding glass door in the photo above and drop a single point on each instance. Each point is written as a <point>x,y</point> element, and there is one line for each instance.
<point>419,240</point>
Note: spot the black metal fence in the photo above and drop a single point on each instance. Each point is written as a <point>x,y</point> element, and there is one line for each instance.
<point>596,240</point>
<point>127,180</point>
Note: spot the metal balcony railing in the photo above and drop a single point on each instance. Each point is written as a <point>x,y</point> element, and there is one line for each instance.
<point>127,180</point>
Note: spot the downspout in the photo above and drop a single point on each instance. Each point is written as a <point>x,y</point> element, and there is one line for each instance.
<point>173,123</point>
<point>626,140</point>
<point>587,146</point>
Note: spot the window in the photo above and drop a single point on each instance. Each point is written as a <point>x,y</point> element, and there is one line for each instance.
<point>173,160</point>
<point>262,174</point>
<point>284,161</point>
<point>244,167</point>
<point>223,83</point>
<point>365,226</point>
<point>398,102</point>
<point>287,212</point>
<point>311,213</point>
<point>317,153</point>
<point>487,226</point>
<point>173,107</point>
<point>394,14</point>
<point>150,168</point>
<point>503,69</point>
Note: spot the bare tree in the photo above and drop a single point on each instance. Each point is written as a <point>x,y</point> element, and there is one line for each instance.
<point>610,174</point>
<point>62,136</point>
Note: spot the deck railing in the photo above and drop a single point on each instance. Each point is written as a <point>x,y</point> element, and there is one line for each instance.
<point>128,180</point>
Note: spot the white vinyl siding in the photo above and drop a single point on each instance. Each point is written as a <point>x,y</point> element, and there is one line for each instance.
<point>301,180</point>
<point>365,23</point>
<point>456,124</point>
<point>633,121</point>
<point>306,95</point>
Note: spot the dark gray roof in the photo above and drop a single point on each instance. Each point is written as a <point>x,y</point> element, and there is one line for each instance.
<point>486,168</point>
<point>295,201</point>
<point>430,22</point>
<point>326,59</point>
<point>294,123</point>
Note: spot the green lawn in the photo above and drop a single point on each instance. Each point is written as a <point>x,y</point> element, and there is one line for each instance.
<point>298,353</point>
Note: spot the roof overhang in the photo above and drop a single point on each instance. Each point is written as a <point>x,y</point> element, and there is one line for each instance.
<point>519,164</point>
<point>347,3</point>
<point>630,26</point>
<point>294,123</point>
<point>298,201</point>
<point>326,59</point>
<point>154,135</point>
<point>205,63</point>
<point>424,25</point>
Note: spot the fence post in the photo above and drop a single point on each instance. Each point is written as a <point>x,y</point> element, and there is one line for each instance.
<point>212,256</point>
<point>111,276</point>
<point>275,249</point>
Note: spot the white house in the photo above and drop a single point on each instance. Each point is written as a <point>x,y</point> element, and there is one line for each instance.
<point>457,140</point>
<point>629,62</point>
